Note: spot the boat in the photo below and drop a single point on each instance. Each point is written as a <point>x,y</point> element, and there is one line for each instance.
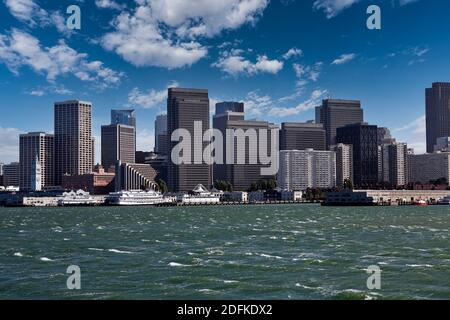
<point>198,196</point>
<point>135,198</point>
<point>78,198</point>
<point>444,201</point>
<point>421,203</point>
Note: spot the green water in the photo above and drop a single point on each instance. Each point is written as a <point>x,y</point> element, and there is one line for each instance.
<point>228,252</point>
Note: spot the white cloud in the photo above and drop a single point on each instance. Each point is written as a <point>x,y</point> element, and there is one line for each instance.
<point>145,140</point>
<point>333,7</point>
<point>307,72</point>
<point>56,89</point>
<point>206,17</point>
<point>152,98</point>
<point>264,105</point>
<point>29,12</point>
<point>314,100</point>
<point>163,33</point>
<point>293,52</point>
<point>234,64</point>
<point>22,49</point>
<point>344,58</point>
<point>9,144</point>
<point>414,133</point>
<point>109,4</point>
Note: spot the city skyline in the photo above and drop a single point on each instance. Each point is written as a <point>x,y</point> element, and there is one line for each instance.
<point>280,78</point>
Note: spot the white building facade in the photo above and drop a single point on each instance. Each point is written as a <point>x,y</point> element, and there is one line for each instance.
<point>302,169</point>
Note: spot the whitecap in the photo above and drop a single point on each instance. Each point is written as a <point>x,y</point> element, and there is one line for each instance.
<point>176,264</point>
<point>270,256</point>
<point>96,249</point>
<point>420,265</point>
<point>18,254</point>
<point>45,259</point>
<point>119,251</point>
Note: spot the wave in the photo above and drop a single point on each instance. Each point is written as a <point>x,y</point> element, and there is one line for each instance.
<point>45,259</point>
<point>119,251</point>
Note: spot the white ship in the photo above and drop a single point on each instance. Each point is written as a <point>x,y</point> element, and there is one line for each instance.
<point>78,198</point>
<point>200,195</point>
<point>135,198</point>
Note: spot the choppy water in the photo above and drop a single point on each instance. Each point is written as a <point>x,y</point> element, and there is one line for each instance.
<point>239,252</point>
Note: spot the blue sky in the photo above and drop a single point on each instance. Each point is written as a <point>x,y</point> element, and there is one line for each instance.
<point>281,57</point>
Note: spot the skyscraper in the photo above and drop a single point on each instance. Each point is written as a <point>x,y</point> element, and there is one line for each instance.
<point>437,113</point>
<point>394,160</point>
<point>126,117</point>
<point>36,161</point>
<point>363,138</point>
<point>241,176</point>
<point>73,139</point>
<point>334,114</point>
<point>161,137</point>
<point>303,169</point>
<point>11,174</point>
<point>118,143</point>
<point>184,107</point>
<point>344,163</point>
<point>301,136</point>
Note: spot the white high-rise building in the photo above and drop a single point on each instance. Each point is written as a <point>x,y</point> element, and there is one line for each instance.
<point>393,162</point>
<point>73,139</point>
<point>36,161</point>
<point>344,163</point>
<point>302,169</point>
<point>424,168</point>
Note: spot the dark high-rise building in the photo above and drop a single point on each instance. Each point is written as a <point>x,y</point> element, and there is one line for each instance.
<point>224,107</point>
<point>126,117</point>
<point>302,136</point>
<point>184,107</point>
<point>73,139</point>
<point>118,143</point>
<point>363,138</point>
<point>161,136</point>
<point>437,113</point>
<point>11,174</point>
<point>241,176</point>
<point>36,147</point>
<point>334,114</point>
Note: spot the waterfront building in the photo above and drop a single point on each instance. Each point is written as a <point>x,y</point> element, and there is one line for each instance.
<point>161,136</point>
<point>301,136</point>
<point>118,144</point>
<point>184,108</point>
<point>442,144</point>
<point>134,176</point>
<point>363,138</point>
<point>437,113</point>
<point>303,169</point>
<point>241,174</point>
<point>1,169</point>
<point>394,163</point>
<point>96,182</point>
<point>424,168</point>
<point>344,163</point>
<point>334,114</point>
<point>235,196</point>
<point>73,147</point>
<point>11,174</point>
<point>36,161</point>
